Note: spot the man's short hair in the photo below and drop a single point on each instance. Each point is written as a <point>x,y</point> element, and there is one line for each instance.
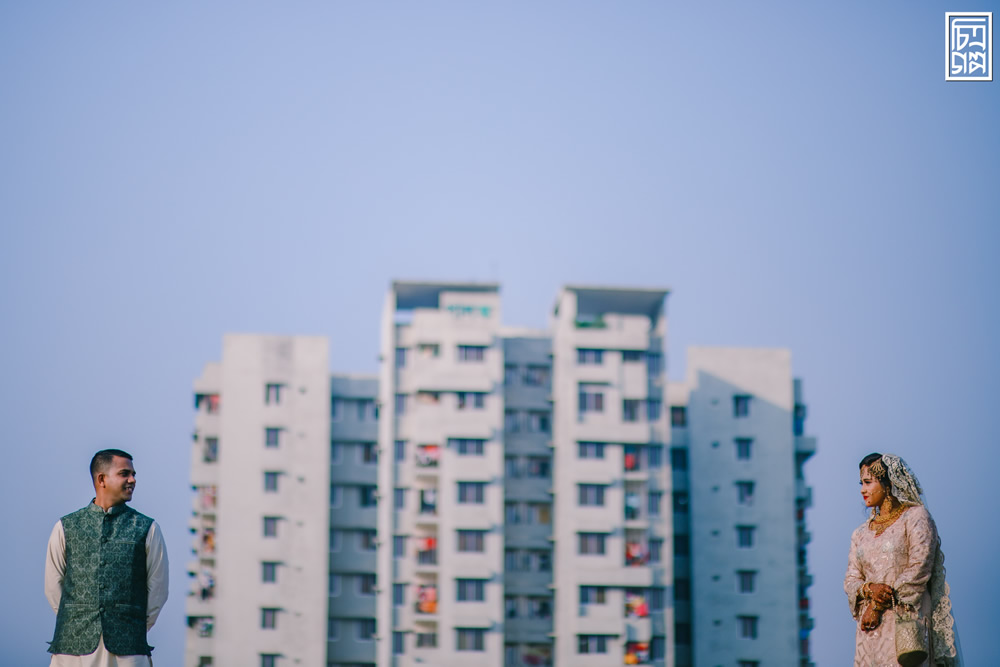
<point>105,458</point>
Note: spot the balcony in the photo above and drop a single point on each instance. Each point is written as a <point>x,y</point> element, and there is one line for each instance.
<point>805,445</point>
<point>427,601</point>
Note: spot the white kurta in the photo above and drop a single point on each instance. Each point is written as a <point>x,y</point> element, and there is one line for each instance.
<point>156,591</point>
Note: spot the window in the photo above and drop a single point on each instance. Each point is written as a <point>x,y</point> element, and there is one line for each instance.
<point>471,352</point>
<point>336,581</point>
<point>682,634</point>
<point>745,536</point>
<point>630,409</point>
<point>271,482</point>
<point>592,644</point>
<point>470,590</point>
<point>591,544</point>
<point>510,607</point>
<point>632,356</point>
<point>539,467</point>
<point>369,453</point>
<point>272,437</point>
<point>746,581</point>
<point>429,350</point>
<point>366,408</point>
<point>539,514</point>
<point>367,496</point>
<point>590,450</point>
<point>471,492</point>
<point>210,454</point>
<point>399,450</point>
<point>678,416</point>
<point>682,502</point>
<point>336,408</point>
<point>799,419</point>
<point>654,500</point>
<point>593,594</point>
<point>679,458</point>
<point>655,550</point>
<point>367,540</point>
<point>470,639</point>
<point>741,405</point>
<point>744,449</point>
<point>399,595</point>
<point>399,498</point>
<point>400,404</point>
<point>539,422</point>
<point>682,589</point>
<point>366,629</point>
<point>336,539</point>
<point>744,493</point>
<point>749,663</point>
<point>542,559</point>
<point>539,607</point>
<point>654,456</point>
<point>336,449</point>
<point>682,545</point>
<point>471,541</point>
<point>336,495</point>
<point>510,375</point>
<point>268,618</point>
<point>631,458</point>
<point>467,446</point>
<point>511,421</point>
<point>270,526</point>
<point>591,495</point>
<point>272,393</point>
<point>656,598</point>
<point>586,357</point>
<point>470,399</point>
<point>398,546</point>
<point>269,572</point>
<point>654,407</point>
<point>512,513</point>
<point>654,363</point>
<point>400,357</point>
<point>398,643</point>
<point>366,584</point>
<point>747,626</point>
<point>267,660</point>
<point>427,640</point>
<point>536,376</point>
<point>512,468</point>
<point>591,398</point>
<point>512,560</point>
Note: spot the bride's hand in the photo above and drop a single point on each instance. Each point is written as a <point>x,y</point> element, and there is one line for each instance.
<point>871,618</point>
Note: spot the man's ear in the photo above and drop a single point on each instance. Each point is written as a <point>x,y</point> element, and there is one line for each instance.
<point>99,479</point>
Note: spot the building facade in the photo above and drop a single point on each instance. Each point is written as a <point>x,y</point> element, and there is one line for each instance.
<point>500,496</point>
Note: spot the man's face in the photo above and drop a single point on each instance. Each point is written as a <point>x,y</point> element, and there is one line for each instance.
<point>118,480</point>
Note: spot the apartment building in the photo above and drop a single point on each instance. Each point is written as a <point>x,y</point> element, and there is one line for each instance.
<point>260,469</point>
<point>499,496</point>
<point>739,500</point>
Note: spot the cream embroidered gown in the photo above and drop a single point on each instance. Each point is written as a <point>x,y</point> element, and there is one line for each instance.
<point>904,557</point>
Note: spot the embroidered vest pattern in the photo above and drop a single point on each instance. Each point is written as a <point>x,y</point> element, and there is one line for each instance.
<point>104,588</point>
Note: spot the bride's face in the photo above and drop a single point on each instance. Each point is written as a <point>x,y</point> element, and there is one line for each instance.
<point>871,489</point>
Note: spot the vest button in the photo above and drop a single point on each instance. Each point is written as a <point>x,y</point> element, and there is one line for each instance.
<point>101,609</point>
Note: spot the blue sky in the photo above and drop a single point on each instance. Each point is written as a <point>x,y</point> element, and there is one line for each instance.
<point>800,176</point>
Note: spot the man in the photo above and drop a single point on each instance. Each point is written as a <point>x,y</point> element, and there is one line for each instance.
<point>105,574</point>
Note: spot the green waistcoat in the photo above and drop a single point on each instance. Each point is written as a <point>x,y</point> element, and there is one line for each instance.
<point>104,588</point>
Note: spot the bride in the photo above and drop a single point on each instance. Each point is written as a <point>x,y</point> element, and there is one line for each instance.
<point>895,574</point>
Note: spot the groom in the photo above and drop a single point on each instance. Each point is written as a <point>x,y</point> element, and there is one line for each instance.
<point>105,574</point>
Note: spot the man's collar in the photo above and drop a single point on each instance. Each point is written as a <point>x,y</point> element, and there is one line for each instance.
<point>114,509</point>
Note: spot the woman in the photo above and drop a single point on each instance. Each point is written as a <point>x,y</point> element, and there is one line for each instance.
<point>895,571</point>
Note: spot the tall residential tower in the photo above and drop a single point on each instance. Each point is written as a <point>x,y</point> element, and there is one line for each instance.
<point>500,496</point>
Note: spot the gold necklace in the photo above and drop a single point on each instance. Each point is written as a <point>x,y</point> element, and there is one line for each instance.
<point>882,520</point>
